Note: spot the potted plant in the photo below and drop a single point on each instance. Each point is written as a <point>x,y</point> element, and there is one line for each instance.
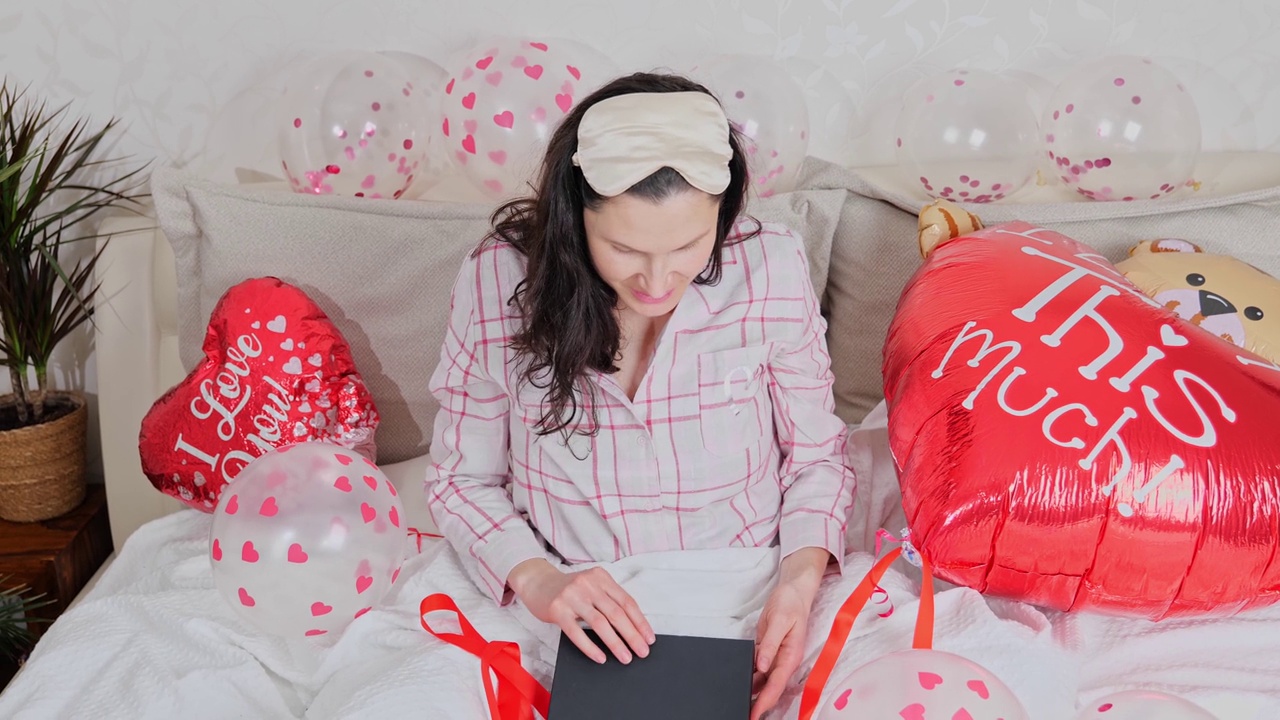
<point>51,181</point>
<point>16,606</point>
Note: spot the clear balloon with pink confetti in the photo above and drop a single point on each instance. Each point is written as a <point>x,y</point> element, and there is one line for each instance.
<point>428,77</point>
<point>353,123</point>
<point>1122,128</point>
<point>769,109</point>
<point>503,100</point>
<point>306,539</point>
<point>968,136</point>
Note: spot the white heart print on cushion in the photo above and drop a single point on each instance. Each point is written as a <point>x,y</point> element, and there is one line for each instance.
<point>307,539</point>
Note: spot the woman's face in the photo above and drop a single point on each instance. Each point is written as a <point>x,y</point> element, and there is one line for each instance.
<point>649,252</point>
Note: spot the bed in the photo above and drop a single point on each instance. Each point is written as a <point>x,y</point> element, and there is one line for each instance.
<point>151,638</point>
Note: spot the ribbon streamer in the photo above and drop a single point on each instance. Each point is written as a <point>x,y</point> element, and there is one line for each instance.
<point>843,624</point>
<point>518,693</point>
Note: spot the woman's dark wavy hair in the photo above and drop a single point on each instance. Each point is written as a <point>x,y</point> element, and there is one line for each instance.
<point>568,326</point>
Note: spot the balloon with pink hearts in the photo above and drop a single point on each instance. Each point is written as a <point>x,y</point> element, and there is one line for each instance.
<point>770,112</point>
<point>306,539</point>
<point>1122,128</point>
<point>353,123</point>
<point>1143,705</point>
<point>921,685</point>
<point>504,98</point>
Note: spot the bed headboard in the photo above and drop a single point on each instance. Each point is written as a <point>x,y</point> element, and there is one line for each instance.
<point>136,345</point>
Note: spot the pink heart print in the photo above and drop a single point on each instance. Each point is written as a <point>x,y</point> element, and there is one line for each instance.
<point>343,483</point>
<point>249,553</point>
<point>268,508</point>
<point>962,714</point>
<point>505,119</point>
<point>371,481</point>
<point>362,583</point>
<point>498,157</point>
<point>319,608</point>
<point>367,513</point>
<point>538,46</point>
<point>233,504</point>
<point>297,554</point>
<point>929,680</point>
<point>564,101</point>
<point>343,460</point>
<point>980,688</point>
<point>448,89</point>
<point>469,101</point>
<point>914,711</point>
<point>483,63</point>
<point>533,71</point>
<point>843,701</point>
<point>394,515</point>
<point>577,74</point>
<point>245,598</point>
<point>469,144</point>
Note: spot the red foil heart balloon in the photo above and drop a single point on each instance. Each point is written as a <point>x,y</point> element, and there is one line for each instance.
<point>1064,440</point>
<point>276,372</point>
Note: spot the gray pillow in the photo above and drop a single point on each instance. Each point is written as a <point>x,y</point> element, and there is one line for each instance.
<point>382,270</point>
<point>874,253</point>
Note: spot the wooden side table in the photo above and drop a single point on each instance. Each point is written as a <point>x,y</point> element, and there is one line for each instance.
<point>56,557</point>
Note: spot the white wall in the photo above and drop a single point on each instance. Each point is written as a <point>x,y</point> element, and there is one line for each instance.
<point>192,78</point>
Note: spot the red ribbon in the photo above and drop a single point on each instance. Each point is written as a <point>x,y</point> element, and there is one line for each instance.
<point>843,624</point>
<point>418,535</point>
<point>518,693</point>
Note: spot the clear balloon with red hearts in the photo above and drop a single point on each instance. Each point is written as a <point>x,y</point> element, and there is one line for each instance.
<point>920,685</point>
<point>307,539</point>
<point>503,100</point>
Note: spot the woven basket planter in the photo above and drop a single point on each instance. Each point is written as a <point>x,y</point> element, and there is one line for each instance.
<point>42,467</point>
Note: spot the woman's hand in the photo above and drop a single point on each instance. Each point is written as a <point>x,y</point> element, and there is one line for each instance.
<point>783,625</point>
<point>562,599</point>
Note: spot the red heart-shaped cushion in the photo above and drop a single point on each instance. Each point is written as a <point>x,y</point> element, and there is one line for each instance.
<point>1063,440</point>
<point>276,372</point>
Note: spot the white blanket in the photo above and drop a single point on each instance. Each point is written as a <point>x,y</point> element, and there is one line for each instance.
<point>154,639</point>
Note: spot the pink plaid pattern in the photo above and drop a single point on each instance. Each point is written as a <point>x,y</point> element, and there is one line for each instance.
<point>731,439</point>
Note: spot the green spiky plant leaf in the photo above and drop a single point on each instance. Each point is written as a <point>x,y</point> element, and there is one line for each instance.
<point>46,195</point>
<point>16,605</point>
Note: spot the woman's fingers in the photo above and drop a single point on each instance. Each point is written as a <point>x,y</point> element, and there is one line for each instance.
<point>608,635</point>
<point>627,619</point>
<point>769,635</point>
<point>784,666</point>
<point>579,638</point>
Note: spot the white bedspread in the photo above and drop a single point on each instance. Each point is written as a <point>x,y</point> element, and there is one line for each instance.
<point>154,640</point>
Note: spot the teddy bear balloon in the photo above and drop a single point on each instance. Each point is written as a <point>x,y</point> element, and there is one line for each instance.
<point>1228,297</point>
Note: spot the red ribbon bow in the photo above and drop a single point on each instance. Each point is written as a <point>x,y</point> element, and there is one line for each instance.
<point>518,693</point>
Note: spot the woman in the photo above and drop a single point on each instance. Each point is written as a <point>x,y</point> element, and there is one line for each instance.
<point>633,366</point>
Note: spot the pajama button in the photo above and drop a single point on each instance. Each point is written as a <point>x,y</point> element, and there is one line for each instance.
<point>642,440</point>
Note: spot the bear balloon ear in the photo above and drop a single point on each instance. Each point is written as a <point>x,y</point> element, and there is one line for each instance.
<point>1163,246</point>
<point>941,221</point>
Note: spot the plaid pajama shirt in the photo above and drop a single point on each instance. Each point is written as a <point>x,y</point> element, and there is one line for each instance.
<point>731,439</point>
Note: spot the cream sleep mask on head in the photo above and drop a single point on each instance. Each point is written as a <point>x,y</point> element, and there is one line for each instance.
<point>624,139</point>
